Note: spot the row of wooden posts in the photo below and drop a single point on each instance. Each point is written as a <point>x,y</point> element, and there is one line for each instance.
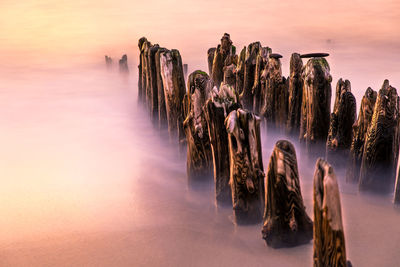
<point>218,118</point>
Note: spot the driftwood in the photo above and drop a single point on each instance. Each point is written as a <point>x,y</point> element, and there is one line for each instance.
<point>329,242</point>
<point>340,129</point>
<point>240,71</point>
<point>199,161</point>
<point>162,112</point>
<point>221,59</point>
<point>275,93</point>
<point>174,91</point>
<point>250,61</point>
<point>246,167</point>
<point>216,110</point>
<point>152,85</point>
<point>316,105</point>
<point>295,95</point>
<point>108,61</point>
<point>378,167</point>
<point>286,222</point>
<point>310,55</point>
<point>123,64</point>
<point>258,93</point>
<point>360,129</point>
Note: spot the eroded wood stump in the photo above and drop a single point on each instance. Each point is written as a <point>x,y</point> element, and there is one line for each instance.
<point>123,64</point>
<point>258,93</point>
<point>216,110</point>
<point>360,129</point>
<point>108,61</point>
<point>247,97</point>
<point>199,159</point>
<point>295,95</point>
<point>378,167</point>
<point>142,86</point>
<point>162,111</point>
<point>341,125</point>
<point>152,85</point>
<point>230,75</point>
<point>222,58</point>
<point>246,167</point>
<point>275,94</point>
<point>210,59</point>
<point>240,71</point>
<point>329,242</point>
<point>316,105</point>
<point>174,91</point>
<point>286,223</point>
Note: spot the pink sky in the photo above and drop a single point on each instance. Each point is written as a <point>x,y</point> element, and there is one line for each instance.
<point>363,37</point>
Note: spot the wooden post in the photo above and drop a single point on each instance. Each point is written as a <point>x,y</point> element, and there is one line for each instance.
<point>199,161</point>
<point>286,223</point>
<point>247,96</point>
<point>240,71</point>
<point>152,72</point>
<point>378,167</point>
<point>246,167</point>
<point>123,64</point>
<point>261,63</point>
<point>295,95</point>
<point>210,59</point>
<point>340,129</point>
<point>216,110</point>
<point>162,112</point>
<point>174,91</point>
<point>360,129</point>
<point>221,56</point>
<point>141,82</point>
<point>329,242</point>
<point>316,106</point>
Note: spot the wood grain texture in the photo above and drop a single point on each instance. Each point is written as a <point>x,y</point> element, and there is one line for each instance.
<point>360,128</point>
<point>246,167</point>
<point>378,166</point>
<point>329,242</point>
<point>286,223</point>
<point>295,95</point>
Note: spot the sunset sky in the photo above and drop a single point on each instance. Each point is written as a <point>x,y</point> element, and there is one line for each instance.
<point>363,37</point>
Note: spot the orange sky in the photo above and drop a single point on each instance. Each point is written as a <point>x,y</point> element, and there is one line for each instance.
<point>362,36</point>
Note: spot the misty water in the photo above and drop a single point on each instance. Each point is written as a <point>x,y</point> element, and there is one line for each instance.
<point>88,181</point>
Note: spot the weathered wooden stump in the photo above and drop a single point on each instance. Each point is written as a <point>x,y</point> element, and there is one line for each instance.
<point>143,44</point>
<point>162,111</point>
<point>240,71</point>
<point>378,167</point>
<point>108,61</point>
<point>316,105</point>
<point>329,242</point>
<point>174,91</point>
<point>230,75</point>
<point>222,54</point>
<point>210,59</point>
<point>247,97</point>
<point>216,110</point>
<point>246,167</point>
<point>199,159</point>
<point>360,129</point>
<point>295,95</point>
<point>275,92</point>
<point>286,223</point>
<point>152,85</point>
<point>123,64</point>
<point>257,90</point>
<point>340,130</point>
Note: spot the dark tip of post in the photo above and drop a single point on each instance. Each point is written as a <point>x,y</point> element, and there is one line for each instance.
<point>275,55</point>
<point>314,55</point>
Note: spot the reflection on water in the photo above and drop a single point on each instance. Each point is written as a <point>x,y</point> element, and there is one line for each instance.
<point>87,180</point>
